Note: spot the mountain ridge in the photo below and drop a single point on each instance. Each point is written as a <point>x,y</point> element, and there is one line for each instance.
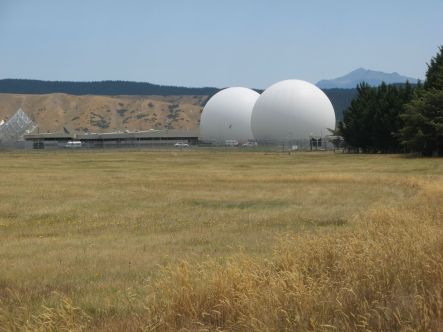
<point>372,77</point>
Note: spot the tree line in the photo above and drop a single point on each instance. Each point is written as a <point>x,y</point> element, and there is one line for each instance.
<point>397,118</point>
<point>105,88</point>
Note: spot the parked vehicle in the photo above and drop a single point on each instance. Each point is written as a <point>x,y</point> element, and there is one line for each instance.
<point>73,144</point>
<point>250,144</point>
<point>181,145</point>
<point>231,142</point>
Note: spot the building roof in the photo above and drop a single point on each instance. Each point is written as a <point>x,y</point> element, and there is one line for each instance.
<point>170,133</point>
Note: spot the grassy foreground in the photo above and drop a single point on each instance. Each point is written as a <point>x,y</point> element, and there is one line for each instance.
<point>201,240</point>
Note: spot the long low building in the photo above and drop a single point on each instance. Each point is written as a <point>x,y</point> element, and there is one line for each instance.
<point>114,139</point>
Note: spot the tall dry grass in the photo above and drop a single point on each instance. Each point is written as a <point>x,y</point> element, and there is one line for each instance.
<point>201,241</point>
<point>386,274</point>
<point>63,316</point>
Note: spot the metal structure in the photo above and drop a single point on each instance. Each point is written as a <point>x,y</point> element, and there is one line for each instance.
<point>16,127</point>
<point>117,139</point>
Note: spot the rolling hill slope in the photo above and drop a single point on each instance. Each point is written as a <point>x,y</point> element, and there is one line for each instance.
<point>56,112</point>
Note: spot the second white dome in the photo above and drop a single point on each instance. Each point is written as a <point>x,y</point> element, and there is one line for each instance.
<point>292,110</point>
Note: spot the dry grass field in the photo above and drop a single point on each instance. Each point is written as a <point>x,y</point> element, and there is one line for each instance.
<point>211,240</point>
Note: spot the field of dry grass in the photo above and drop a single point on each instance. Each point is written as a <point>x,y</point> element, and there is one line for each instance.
<point>211,240</point>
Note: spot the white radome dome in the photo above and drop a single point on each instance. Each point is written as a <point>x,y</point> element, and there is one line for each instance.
<point>292,110</point>
<point>227,116</point>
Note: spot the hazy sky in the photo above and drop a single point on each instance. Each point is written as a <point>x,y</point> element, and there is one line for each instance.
<point>219,43</point>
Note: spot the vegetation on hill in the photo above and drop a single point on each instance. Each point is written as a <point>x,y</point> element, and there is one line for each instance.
<point>54,112</point>
<point>340,99</point>
<point>104,88</point>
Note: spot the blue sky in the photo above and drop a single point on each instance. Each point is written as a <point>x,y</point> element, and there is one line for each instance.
<point>251,43</point>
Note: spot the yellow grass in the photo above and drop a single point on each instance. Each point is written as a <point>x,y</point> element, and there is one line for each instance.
<point>206,240</point>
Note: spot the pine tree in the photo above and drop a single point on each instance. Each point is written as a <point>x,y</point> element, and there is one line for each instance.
<point>355,125</point>
<point>423,116</point>
<point>423,130</point>
<point>434,74</point>
<point>372,121</point>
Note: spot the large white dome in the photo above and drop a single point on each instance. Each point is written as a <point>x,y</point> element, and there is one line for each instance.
<point>292,110</point>
<point>227,116</point>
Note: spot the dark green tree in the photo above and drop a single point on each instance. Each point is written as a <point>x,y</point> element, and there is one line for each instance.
<point>423,129</point>
<point>354,127</point>
<point>434,74</point>
<point>372,121</point>
<point>423,116</point>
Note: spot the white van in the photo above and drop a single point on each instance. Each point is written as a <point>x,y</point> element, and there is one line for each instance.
<point>250,144</point>
<point>73,144</point>
<point>231,142</point>
<point>181,145</point>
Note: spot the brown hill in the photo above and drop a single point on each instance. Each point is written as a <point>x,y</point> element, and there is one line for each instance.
<point>54,112</point>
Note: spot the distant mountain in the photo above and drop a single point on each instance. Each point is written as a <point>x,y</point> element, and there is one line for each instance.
<point>372,77</point>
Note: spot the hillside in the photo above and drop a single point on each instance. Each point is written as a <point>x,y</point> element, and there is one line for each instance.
<point>372,77</point>
<point>56,112</point>
<point>116,105</point>
<point>340,99</point>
